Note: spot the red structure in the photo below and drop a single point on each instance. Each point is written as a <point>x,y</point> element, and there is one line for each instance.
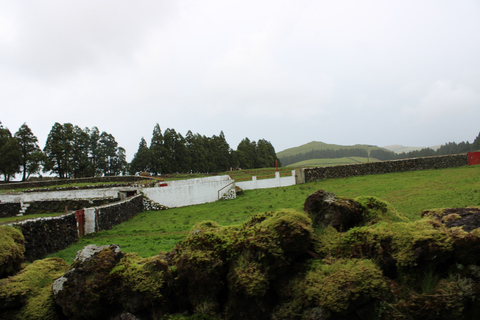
<point>473,158</point>
<point>80,215</point>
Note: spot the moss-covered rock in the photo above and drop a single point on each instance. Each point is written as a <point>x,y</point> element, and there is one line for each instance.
<point>326,209</point>
<point>375,210</point>
<point>340,290</point>
<point>28,294</point>
<point>87,291</point>
<point>143,285</point>
<point>11,251</point>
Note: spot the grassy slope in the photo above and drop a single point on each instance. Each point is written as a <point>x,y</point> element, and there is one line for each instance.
<point>331,162</point>
<point>317,145</point>
<point>409,192</point>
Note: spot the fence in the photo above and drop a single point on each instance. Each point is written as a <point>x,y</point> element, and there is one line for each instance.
<point>278,181</point>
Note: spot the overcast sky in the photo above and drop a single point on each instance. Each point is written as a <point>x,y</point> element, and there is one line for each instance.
<point>343,72</point>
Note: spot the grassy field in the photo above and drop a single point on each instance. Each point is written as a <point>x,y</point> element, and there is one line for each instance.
<point>331,162</point>
<point>409,192</point>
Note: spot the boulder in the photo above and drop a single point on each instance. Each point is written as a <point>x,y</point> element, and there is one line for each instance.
<point>325,209</point>
<point>105,283</point>
<point>85,291</point>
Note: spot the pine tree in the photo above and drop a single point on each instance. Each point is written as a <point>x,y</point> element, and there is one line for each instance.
<point>157,151</point>
<point>10,154</point>
<point>29,146</point>
<point>59,150</point>
<point>142,159</point>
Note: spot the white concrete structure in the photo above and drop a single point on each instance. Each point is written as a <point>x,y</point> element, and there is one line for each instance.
<point>182,193</point>
<point>267,183</point>
<point>172,194</point>
<point>23,197</point>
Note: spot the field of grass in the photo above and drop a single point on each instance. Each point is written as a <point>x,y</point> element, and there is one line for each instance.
<point>409,192</point>
<point>331,162</point>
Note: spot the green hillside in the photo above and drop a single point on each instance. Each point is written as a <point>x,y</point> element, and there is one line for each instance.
<point>320,150</point>
<point>318,145</point>
<point>331,162</point>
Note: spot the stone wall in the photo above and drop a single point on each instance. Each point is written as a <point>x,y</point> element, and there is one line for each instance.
<point>59,205</point>
<point>438,162</point>
<point>46,183</point>
<point>9,209</point>
<point>110,215</point>
<point>44,236</point>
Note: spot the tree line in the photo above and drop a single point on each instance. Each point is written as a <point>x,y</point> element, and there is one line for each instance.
<point>73,152</point>
<point>171,152</point>
<point>69,152</point>
<point>383,154</point>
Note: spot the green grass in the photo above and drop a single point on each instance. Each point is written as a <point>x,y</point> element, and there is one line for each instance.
<point>331,162</point>
<point>409,192</point>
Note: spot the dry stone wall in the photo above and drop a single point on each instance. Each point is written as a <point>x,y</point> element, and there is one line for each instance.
<point>9,209</point>
<point>438,162</point>
<point>110,215</point>
<point>48,235</point>
<point>46,183</point>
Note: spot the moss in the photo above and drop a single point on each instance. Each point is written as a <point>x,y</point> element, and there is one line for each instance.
<point>248,277</point>
<point>333,289</point>
<point>143,281</point>
<point>11,250</point>
<point>374,210</point>
<point>406,243</point>
<point>28,295</point>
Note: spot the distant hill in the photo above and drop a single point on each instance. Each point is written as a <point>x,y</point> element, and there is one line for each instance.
<point>318,145</point>
<point>321,150</point>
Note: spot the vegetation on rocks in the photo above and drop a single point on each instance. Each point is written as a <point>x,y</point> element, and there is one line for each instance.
<point>11,251</point>
<point>28,295</point>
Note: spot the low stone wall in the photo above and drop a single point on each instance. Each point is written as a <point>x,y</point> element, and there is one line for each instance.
<point>46,183</point>
<point>438,162</point>
<point>44,236</point>
<point>10,209</point>
<point>59,206</point>
<point>110,215</point>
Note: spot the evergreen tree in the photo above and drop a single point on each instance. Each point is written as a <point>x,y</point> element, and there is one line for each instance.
<point>29,147</point>
<point>59,150</point>
<point>10,154</point>
<point>95,153</point>
<point>476,144</point>
<point>157,151</point>
<point>108,151</point>
<point>246,154</point>
<point>82,166</point>
<point>142,159</point>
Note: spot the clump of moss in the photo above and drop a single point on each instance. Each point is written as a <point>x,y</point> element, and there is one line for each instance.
<point>447,300</point>
<point>331,290</point>
<point>375,210</point>
<point>241,260</point>
<point>144,283</point>
<point>11,251</point>
<point>28,294</point>
<point>392,245</point>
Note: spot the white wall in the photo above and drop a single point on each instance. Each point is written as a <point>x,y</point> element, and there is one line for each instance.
<point>189,192</point>
<point>268,183</point>
<point>64,195</point>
